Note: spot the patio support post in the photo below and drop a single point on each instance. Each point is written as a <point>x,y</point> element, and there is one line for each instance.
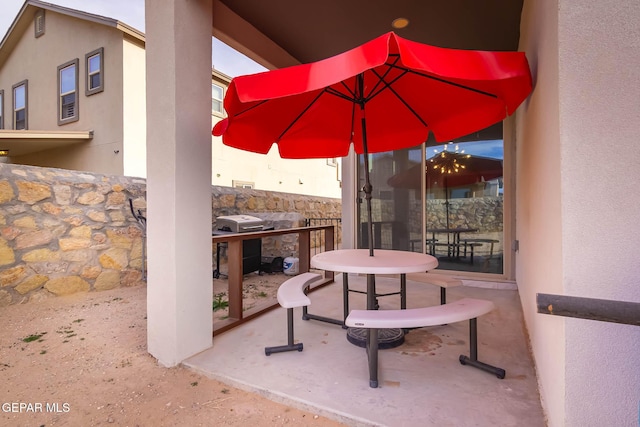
<point>178,77</point>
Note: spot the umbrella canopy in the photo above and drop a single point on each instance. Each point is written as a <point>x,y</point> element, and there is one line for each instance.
<point>310,110</point>
<point>384,95</point>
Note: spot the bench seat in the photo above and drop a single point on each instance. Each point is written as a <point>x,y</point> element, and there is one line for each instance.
<point>457,311</point>
<point>440,280</point>
<point>292,294</point>
<point>464,309</point>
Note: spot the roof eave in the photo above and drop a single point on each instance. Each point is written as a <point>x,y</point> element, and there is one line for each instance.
<point>28,10</point>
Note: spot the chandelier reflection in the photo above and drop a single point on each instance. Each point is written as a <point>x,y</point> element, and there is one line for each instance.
<point>447,162</point>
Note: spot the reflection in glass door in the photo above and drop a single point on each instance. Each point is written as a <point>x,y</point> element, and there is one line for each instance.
<point>465,205</point>
<point>397,211</point>
<point>445,200</point>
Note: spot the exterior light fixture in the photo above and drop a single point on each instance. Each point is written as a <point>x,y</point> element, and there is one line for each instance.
<point>399,23</point>
<point>4,152</point>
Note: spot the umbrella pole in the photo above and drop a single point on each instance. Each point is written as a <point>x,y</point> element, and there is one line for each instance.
<point>368,189</point>
<point>446,205</point>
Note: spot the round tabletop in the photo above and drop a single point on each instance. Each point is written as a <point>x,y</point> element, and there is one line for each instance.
<point>383,261</point>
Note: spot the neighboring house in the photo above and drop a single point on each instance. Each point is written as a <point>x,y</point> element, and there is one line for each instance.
<point>73,96</point>
<point>74,91</point>
<point>238,168</point>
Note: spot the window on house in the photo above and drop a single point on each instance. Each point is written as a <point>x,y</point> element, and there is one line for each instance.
<point>1,109</point>
<point>217,93</point>
<point>38,23</point>
<point>95,71</point>
<point>20,117</point>
<point>68,92</point>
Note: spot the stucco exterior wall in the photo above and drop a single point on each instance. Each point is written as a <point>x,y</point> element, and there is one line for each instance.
<point>599,69</point>
<point>37,59</point>
<point>134,149</point>
<point>317,177</point>
<point>578,227</point>
<point>538,202</point>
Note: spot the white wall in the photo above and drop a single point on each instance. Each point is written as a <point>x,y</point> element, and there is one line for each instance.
<point>577,220</point>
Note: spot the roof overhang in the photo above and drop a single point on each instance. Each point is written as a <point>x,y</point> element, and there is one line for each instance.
<point>281,33</point>
<point>22,142</point>
<point>24,20</point>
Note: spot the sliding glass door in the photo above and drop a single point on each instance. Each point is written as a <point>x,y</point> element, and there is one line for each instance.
<point>443,199</point>
<point>464,203</point>
<point>396,210</point>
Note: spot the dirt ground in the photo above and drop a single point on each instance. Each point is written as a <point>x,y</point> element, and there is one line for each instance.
<point>82,360</point>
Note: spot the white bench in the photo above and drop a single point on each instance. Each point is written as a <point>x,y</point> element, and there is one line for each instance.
<point>464,309</point>
<point>291,294</point>
<point>440,280</point>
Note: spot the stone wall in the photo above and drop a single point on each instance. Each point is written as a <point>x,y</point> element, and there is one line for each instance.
<point>63,231</point>
<point>277,210</point>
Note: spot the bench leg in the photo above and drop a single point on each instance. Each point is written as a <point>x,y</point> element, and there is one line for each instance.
<point>372,356</point>
<point>309,316</point>
<point>473,352</point>
<point>345,298</point>
<point>403,291</point>
<point>290,345</point>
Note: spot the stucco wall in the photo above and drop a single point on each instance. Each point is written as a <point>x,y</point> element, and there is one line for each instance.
<point>599,41</point>
<point>63,232</point>
<point>538,202</point>
<point>134,151</point>
<point>577,224</point>
<point>37,60</point>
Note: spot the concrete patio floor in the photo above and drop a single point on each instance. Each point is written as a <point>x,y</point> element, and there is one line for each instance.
<point>421,381</point>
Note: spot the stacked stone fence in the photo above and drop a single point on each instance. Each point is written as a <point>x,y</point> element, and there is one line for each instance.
<point>63,232</point>
<point>484,214</point>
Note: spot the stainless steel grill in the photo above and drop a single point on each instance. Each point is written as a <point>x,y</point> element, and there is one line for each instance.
<point>251,249</point>
<point>239,223</point>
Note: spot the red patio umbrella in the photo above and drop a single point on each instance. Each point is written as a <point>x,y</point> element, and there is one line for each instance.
<point>398,90</point>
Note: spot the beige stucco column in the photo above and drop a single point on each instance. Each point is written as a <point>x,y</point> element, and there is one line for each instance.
<point>179,291</point>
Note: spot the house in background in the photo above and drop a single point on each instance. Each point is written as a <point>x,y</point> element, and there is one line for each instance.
<point>73,96</point>
<point>238,168</point>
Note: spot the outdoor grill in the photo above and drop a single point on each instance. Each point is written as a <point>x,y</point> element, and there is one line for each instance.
<point>239,223</point>
<point>251,249</point>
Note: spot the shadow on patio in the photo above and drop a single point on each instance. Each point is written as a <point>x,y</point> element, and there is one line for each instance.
<point>421,381</point>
